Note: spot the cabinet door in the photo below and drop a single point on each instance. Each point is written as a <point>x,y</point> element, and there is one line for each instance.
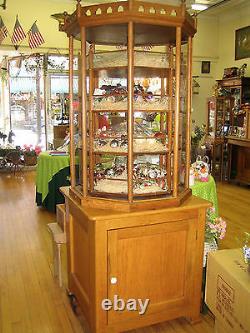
<point>243,167</point>
<point>152,262</point>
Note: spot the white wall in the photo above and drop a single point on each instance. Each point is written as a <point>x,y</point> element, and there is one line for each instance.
<point>30,10</point>
<point>215,42</point>
<point>230,21</point>
<point>205,48</point>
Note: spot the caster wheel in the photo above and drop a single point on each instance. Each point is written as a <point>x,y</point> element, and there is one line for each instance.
<point>73,302</point>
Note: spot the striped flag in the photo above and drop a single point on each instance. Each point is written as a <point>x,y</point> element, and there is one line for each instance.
<point>18,33</point>
<point>35,37</point>
<point>3,30</point>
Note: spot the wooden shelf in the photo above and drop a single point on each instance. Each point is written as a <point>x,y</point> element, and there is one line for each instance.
<point>135,153</point>
<point>125,111</point>
<point>139,71</point>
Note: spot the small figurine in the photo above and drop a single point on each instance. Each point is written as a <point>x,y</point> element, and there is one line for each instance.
<point>241,70</point>
<point>101,142</point>
<point>204,175</point>
<point>10,136</point>
<point>3,136</point>
<point>114,143</point>
<point>124,143</point>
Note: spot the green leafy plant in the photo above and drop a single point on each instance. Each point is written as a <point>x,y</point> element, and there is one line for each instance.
<point>198,134</point>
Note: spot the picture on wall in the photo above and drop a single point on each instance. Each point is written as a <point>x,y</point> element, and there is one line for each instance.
<point>205,67</point>
<point>242,43</point>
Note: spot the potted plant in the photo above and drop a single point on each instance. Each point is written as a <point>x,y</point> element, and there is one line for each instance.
<point>30,154</point>
<point>215,229</point>
<point>197,135</point>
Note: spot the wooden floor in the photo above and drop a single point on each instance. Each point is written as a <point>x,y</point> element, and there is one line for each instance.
<point>30,299</point>
<point>234,206</point>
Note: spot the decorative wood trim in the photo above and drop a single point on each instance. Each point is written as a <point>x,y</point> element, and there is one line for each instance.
<point>71,112</point>
<point>170,117</point>
<point>130,123</point>
<point>91,118</point>
<point>84,115</point>
<point>189,107</point>
<point>177,111</point>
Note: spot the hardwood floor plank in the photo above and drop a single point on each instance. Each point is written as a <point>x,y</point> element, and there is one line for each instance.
<point>234,206</point>
<point>31,300</point>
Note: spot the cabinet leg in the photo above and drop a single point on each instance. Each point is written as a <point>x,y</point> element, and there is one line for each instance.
<point>73,301</point>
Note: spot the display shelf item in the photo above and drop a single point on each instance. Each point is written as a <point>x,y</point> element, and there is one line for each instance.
<point>104,60</point>
<point>120,102</point>
<point>148,175</point>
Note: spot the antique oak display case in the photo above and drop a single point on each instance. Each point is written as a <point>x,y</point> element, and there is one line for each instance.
<point>133,228</point>
<point>132,128</point>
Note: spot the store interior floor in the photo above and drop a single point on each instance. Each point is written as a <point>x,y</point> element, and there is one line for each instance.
<point>30,299</point>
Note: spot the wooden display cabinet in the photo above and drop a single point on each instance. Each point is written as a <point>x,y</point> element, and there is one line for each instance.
<point>237,163</point>
<point>239,148</point>
<point>154,254</point>
<point>142,237</point>
<point>238,88</point>
<point>219,116</point>
<point>219,122</point>
<point>170,104</point>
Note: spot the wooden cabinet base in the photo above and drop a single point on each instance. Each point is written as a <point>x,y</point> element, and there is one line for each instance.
<point>153,254</point>
<point>239,156</point>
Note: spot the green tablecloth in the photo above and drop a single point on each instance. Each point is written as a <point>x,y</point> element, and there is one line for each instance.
<point>52,173</point>
<point>207,191</point>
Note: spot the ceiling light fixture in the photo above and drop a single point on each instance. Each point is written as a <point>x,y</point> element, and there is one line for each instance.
<point>198,6</point>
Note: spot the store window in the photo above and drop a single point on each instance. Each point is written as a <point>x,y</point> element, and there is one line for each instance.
<point>38,93</point>
<point>26,92</point>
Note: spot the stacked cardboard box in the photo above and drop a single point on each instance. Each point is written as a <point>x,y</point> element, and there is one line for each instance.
<point>228,291</point>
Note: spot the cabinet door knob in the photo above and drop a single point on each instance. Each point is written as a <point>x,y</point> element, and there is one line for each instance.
<point>113,280</point>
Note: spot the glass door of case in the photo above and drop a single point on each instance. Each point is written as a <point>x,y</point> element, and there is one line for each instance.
<point>220,116</point>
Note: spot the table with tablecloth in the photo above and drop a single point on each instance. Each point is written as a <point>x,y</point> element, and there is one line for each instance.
<point>52,172</point>
<point>207,191</point>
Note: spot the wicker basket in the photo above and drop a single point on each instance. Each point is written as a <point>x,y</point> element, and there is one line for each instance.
<point>30,160</point>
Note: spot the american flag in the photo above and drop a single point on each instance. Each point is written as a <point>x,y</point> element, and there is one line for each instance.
<point>35,37</point>
<point>3,30</point>
<point>18,33</point>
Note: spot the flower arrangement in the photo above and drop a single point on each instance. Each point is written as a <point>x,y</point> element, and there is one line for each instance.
<point>215,226</point>
<point>30,154</point>
<point>29,150</point>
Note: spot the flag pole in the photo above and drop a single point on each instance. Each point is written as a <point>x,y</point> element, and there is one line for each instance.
<point>31,27</point>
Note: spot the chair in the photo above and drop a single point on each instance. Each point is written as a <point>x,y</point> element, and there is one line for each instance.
<point>14,161</point>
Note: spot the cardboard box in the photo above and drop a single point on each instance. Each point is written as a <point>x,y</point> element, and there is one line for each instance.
<point>58,143</point>
<point>228,291</point>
